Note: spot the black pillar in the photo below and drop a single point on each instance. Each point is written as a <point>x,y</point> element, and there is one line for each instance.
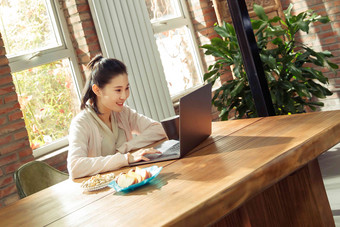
<point>251,58</point>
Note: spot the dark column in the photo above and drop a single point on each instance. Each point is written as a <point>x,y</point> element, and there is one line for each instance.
<point>251,58</point>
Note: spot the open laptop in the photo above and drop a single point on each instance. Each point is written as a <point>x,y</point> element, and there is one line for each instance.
<point>194,126</point>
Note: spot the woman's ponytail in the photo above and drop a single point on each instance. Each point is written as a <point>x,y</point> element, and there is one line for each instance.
<point>88,94</point>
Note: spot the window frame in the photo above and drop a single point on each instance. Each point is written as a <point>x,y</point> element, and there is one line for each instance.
<point>173,23</point>
<point>45,56</point>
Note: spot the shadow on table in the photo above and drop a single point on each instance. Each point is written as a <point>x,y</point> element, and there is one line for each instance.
<point>234,143</point>
<point>154,185</point>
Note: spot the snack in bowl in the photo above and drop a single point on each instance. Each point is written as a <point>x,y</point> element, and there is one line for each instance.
<point>97,182</point>
<point>134,176</point>
<point>126,182</point>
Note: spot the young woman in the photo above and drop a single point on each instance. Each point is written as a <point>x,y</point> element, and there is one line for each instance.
<point>100,136</point>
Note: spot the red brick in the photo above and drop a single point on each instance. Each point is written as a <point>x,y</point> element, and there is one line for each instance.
<point>9,107</point>
<point>2,51</point>
<point>26,152</point>
<point>11,97</point>
<point>4,160</point>
<point>11,189</point>
<point>89,32</point>
<point>3,120</point>
<point>5,70</point>
<point>6,79</point>
<point>3,61</point>
<point>11,168</point>
<point>15,116</point>
<point>83,8</point>
<point>6,180</point>
<point>1,173</point>
<point>14,146</point>
<point>7,89</point>
<point>327,34</point>
<point>27,159</point>
<point>87,24</point>
<point>5,140</point>
<point>92,39</point>
<point>20,135</point>
<point>326,41</point>
<point>336,25</point>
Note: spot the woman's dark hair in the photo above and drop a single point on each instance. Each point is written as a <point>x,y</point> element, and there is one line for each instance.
<point>102,71</point>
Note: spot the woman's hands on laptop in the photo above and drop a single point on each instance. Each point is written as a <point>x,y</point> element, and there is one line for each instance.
<point>139,154</point>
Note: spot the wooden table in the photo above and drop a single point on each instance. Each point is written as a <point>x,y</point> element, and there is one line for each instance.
<point>251,172</point>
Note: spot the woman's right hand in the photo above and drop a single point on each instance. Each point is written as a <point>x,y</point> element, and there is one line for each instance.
<point>139,155</point>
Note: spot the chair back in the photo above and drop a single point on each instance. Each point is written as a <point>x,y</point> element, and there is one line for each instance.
<point>35,176</point>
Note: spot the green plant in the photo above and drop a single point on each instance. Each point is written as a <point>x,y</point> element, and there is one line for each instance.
<point>288,64</point>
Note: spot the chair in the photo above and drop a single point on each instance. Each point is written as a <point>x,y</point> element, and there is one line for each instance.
<point>35,176</point>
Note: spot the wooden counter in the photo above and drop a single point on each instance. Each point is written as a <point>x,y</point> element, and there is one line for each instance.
<point>252,172</point>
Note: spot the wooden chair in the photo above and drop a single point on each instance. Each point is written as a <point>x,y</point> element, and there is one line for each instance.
<point>35,176</point>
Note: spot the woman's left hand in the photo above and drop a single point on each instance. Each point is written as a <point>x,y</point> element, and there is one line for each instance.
<point>139,155</point>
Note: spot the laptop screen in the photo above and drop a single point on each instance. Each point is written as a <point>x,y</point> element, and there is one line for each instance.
<point>195,118</point>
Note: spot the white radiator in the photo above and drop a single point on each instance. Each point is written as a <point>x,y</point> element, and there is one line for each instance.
<point>124,31</point>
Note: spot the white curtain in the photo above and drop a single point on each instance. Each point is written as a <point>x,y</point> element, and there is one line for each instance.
<point>125,33</point>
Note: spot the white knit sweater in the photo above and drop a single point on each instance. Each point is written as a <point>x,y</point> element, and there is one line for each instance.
<point>84,155</point>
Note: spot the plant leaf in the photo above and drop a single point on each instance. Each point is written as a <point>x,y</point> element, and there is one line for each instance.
<point>259,11</point>
<point>237,89</point>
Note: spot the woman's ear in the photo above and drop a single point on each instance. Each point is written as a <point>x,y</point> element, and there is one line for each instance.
<point>96,89</point>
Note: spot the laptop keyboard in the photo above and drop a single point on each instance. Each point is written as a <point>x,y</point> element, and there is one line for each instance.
<point>173,150</point>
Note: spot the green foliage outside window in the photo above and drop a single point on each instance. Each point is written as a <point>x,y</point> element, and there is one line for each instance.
<point>47,101</point>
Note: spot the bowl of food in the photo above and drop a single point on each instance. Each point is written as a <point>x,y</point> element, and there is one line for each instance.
<point>134,178</point>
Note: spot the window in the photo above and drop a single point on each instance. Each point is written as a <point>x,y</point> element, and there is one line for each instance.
<point>178,51</point>
<point>44,70</point>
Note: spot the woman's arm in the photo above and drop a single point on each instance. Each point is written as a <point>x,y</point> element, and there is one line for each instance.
<point>84,152</point>
<point>147,130</point>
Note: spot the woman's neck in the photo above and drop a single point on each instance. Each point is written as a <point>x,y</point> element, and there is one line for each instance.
<point>106,118</point>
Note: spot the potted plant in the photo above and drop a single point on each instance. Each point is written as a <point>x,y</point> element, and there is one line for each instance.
<point>289,65</point>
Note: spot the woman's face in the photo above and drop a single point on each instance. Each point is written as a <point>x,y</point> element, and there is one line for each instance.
<point>113,95</point>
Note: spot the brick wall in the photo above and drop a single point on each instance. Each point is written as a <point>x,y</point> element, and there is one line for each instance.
<point>323,37</point>
<point>14,144</point>
<point>81,27</point>
<point>203,18</point>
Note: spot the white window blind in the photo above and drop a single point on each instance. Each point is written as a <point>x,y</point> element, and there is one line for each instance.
<point>125,33</point>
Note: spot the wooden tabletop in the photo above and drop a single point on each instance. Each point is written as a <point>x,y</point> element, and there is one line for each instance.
<point>239,160</point>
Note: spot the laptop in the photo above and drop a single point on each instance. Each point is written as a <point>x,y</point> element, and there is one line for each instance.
<point>194,126</point>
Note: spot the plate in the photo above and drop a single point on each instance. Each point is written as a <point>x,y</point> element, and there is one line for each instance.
<point>97,187</point>
<point>154,170</point>
<point>98,181</point>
